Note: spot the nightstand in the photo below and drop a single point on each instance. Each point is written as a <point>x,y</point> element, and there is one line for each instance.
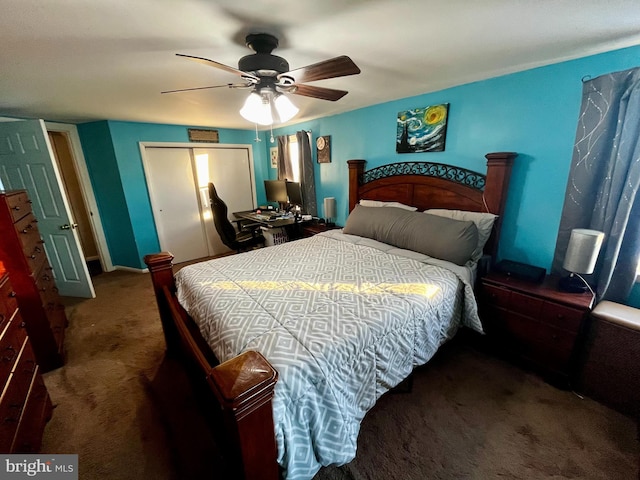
<point>535,323</point>
<point>310,229</point>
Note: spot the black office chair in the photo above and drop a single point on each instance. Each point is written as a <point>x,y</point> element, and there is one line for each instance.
<point>249,235</point>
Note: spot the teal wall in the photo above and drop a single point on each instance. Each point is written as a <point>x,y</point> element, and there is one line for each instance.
<point>115,167</point>
<point>533,113</point>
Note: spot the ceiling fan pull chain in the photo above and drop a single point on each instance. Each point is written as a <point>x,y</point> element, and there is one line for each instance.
<point>272,139</point>
<point>257,138</point>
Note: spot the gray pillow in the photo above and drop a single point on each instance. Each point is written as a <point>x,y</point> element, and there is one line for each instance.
<point>438,237</point>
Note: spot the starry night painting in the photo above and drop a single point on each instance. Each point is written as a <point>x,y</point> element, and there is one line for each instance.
<point>422,129</point>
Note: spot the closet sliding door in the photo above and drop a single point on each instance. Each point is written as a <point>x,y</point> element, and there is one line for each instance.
<point>174,200</point>
<point>177,179</point>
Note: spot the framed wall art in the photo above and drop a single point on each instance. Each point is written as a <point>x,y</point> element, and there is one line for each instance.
<point>422,129</point>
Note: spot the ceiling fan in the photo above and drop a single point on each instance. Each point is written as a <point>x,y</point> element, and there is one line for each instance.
<point>269,78</point>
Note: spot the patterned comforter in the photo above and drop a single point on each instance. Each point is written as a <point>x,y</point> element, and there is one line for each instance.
<point>343,319</point>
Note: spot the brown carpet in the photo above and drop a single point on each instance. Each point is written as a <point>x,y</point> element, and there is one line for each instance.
<point>130,413</point>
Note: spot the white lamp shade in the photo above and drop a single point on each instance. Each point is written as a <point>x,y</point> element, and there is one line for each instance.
<point>285,108</point>
<point>582,252</point>
<point>329,208</point>
<point>257,109</point>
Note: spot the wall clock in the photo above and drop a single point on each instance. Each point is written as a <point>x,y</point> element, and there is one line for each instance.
<point>323,148</point>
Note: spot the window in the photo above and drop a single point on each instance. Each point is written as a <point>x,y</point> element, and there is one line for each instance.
<point>293,155</point>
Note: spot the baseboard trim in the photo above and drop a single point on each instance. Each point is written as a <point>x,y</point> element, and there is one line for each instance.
<point>131,269</point>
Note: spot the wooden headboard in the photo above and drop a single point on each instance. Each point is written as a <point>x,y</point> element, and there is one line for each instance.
<point>435,185</point>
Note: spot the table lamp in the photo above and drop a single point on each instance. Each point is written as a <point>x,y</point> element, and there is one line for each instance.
<point>330,210</point>
<point>582,254</point>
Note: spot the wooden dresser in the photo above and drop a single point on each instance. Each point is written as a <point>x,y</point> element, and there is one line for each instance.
<point>23,254</point>
<point>536,323</point>
<point>25,406</point>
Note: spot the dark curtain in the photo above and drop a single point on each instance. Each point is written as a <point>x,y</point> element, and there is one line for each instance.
<point>305,162</point>
<point>307,174</point>
<point>604,179</point>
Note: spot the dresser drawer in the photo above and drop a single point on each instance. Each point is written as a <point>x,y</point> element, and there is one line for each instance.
<point>36,257</point>
<point>36,413</point>
<point>28,233</point>
<point>11,342</point>
<point>9,416</point>
<point>561,316</point>
<point>46,287</point>
<point>8,303</point>
<point>525,304</point>
<point>15,395</point>
<point>19,205</point>
<point>497,296</point>
<point>553,357</point>
<point>26,365</point>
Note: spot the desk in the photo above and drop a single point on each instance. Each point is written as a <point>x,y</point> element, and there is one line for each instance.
<point>265,220</point>
<point>295,229</point>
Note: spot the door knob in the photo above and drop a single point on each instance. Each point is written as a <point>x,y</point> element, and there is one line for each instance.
<point>66,226</point>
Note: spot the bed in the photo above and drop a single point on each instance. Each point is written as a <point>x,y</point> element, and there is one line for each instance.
<point>308,335</point>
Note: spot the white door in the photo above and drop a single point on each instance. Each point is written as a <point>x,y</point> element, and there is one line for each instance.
<point>231,171</point>
<point>174,201</point>
<point>26,162</point>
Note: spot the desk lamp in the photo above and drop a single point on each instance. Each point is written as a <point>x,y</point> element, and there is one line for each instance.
<point>582,254</point>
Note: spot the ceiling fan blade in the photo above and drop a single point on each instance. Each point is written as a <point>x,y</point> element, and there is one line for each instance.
<point>230,85</point>
<point>221,66</point>
<point>334,67</point>
<point>319,92</point>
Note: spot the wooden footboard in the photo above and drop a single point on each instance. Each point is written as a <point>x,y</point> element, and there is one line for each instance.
<point>243,386</point>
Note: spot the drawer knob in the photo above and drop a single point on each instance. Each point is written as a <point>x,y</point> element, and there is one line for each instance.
<point>30,368</point>
<point>9,357</point>
<point>16,208</point>
<point>13,294</point>
<point>33,256</point>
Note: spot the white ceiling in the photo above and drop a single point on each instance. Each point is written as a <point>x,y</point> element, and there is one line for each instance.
<point>83,60</point>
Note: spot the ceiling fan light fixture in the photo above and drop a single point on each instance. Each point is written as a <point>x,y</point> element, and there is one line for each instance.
<point>271,80</point>
<point>257,109</point>
<point>285,107</point>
